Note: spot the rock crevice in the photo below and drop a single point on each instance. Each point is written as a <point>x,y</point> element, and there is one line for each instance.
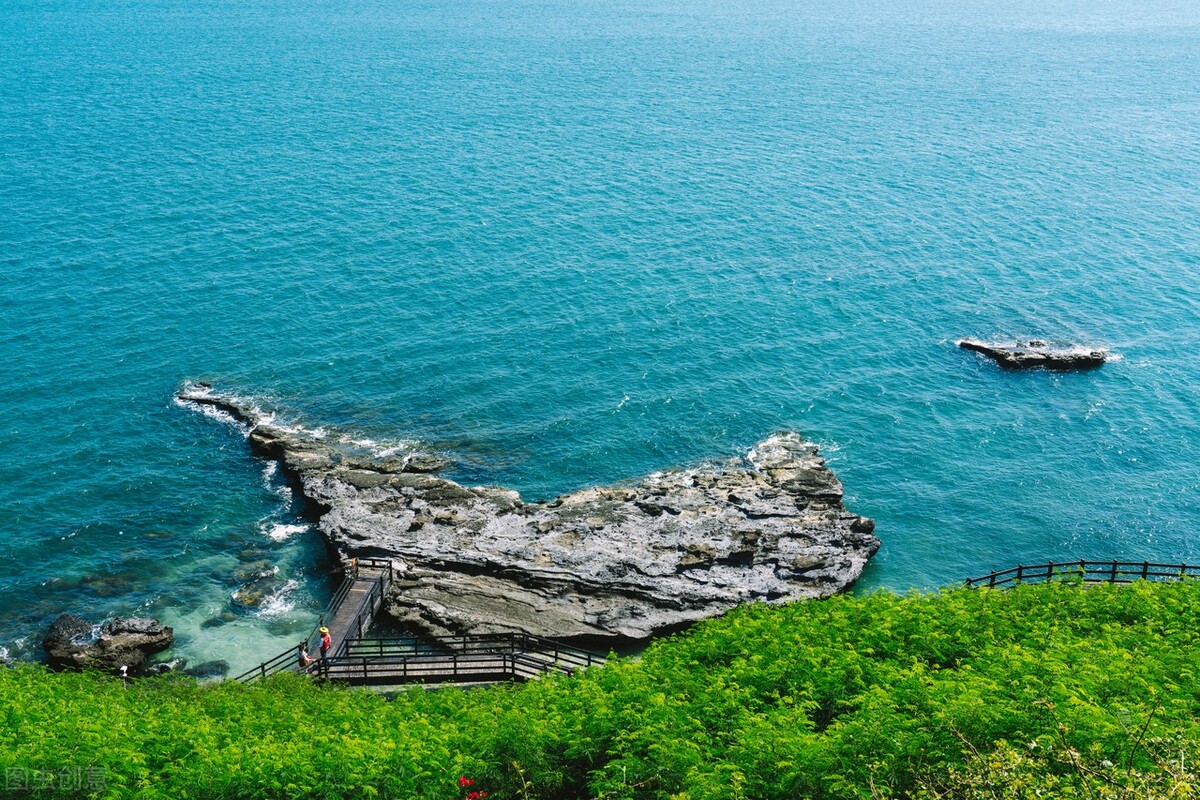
<point>607,562</point>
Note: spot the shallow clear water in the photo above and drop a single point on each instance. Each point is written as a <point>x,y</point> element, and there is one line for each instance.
<point>570,243</point>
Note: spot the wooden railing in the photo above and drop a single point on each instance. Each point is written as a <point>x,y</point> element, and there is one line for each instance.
<point>565,657</point>
<point>290,659</point>
<point>1088,572</point>
<point>445,659</point>
<point>453,659</point>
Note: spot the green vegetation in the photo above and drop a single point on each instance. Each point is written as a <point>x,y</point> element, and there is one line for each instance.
<point>1039,691</point>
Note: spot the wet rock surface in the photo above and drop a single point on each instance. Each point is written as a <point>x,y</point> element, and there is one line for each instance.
<point>73,642</point>
<point>622,561</point>
<point>1038,354</point>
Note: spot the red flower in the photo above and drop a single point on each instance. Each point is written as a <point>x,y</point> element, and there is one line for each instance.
<point>473,796</point>
<point>464,781</point>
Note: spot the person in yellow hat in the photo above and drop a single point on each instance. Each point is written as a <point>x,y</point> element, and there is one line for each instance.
<point>326,643</point>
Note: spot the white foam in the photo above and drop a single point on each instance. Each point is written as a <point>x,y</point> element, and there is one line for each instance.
<point>270,475</point>
<point>380,449</point>
<point>91,637</point>
<point>249,405</point>
<point>280,603</point>
<point>828,448</point>
<point>214,413</point>
<point>281,531</point>
<point>272,418</point>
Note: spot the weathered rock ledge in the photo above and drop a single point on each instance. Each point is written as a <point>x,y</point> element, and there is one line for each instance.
<point>1037,354</point>
<point>622,561</point>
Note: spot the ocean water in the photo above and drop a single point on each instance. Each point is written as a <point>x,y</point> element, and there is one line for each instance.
<point>569,243</point>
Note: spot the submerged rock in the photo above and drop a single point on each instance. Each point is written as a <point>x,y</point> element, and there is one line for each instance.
<point>257,593</point>
<point>73,642</point>
<point>623,561</point>
<point>1035,353</point>
<point>164,667</point>
<point>209,670</point>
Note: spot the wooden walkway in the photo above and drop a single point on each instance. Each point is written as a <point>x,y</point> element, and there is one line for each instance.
<point>360,661</point>
<point>365,587</point>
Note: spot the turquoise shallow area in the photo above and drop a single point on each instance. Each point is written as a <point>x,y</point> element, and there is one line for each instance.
<point>573,242</point>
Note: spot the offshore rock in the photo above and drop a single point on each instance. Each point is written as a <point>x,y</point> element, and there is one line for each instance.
<point>623,561</point>
<point>72,642</point>
<point>1035,354</point>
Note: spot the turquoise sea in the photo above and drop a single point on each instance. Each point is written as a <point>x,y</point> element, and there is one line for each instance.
<point>571,242</point>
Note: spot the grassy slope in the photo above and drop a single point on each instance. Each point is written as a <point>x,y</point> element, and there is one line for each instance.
<point>831,699</point>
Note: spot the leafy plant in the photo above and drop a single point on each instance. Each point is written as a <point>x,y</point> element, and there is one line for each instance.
<point>963,693</point>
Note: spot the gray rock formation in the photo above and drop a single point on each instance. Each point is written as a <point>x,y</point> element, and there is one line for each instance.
<point>618,561</point>
<point>1037,354</point>
<point>73,642</point>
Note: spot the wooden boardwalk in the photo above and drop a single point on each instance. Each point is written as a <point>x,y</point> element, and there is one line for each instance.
<point>366,586</point>
<point>357,660</point>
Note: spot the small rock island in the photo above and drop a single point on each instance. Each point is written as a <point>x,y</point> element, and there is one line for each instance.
<point>607,563</point>
<point>1038,354</point>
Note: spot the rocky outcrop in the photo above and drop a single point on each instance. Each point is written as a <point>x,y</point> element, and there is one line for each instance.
<point>73,642</point>
<point>617,561</point>
<point>1037,354</point>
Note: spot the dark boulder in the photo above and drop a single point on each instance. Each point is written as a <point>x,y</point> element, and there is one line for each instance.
<point>72,643</point>
<point>66,638</point>
<point>1038,354</point>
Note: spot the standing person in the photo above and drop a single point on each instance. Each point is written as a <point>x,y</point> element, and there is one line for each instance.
<point>302,656</point>
<point>326,643</point>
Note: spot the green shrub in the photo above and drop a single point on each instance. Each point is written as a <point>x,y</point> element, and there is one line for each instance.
<point>947,695</point>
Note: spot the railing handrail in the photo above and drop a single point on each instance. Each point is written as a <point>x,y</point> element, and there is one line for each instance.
<point>1110,571</point>
<point>453,665</point>
<point>510,649</point>
<point>471,643</point>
